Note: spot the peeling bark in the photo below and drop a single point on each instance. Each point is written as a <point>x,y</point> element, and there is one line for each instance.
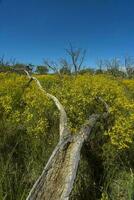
<point>57,179</point>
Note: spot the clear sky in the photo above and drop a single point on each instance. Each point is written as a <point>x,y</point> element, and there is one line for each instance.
<point>31,30</point>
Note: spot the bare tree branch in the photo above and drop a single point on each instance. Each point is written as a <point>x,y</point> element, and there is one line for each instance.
<point>65,63</point>
<point>129,66</point>
<point>53,66</point>
<point>100,64</point>
<point>77,57</point>
<point>57,179</point>
<point>63,117</point>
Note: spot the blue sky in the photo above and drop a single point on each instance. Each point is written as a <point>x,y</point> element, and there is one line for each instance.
<point>31,30</point>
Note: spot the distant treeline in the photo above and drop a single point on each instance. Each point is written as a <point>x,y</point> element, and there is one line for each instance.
<point>73,64</point>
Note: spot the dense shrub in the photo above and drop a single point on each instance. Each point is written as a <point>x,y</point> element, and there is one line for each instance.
<point>29,125</point>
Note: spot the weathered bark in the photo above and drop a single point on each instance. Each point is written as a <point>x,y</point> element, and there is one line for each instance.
<point>63,129</point>
<point>57,179</point>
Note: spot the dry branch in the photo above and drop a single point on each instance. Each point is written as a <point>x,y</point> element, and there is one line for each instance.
<point>57,179</point>
<point>63,117</point>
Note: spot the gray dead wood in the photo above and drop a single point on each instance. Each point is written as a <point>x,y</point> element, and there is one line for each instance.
<point>57,179</point>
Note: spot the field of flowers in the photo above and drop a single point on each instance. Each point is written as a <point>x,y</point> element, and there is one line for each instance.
<point>29,127</point>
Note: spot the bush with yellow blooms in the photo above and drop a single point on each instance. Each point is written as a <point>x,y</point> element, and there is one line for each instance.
<point>29,126</point>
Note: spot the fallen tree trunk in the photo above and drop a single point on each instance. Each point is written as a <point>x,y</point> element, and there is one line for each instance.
<point>57,179</point>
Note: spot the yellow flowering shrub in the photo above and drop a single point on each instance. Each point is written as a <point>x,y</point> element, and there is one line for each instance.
<point>29,121</point>
<point>78,95</point>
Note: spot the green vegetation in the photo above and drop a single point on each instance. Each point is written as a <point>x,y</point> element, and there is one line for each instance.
<point>29,132</point>
<point>42,70</point>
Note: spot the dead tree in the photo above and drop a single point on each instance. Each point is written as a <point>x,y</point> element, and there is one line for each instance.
<point>52,66</point>
<point>100,64</point>
<point>77,57</point>
<point>57,179</point>
<point>129,66</point>
<point>65,66</point>
<point>60,68</point>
